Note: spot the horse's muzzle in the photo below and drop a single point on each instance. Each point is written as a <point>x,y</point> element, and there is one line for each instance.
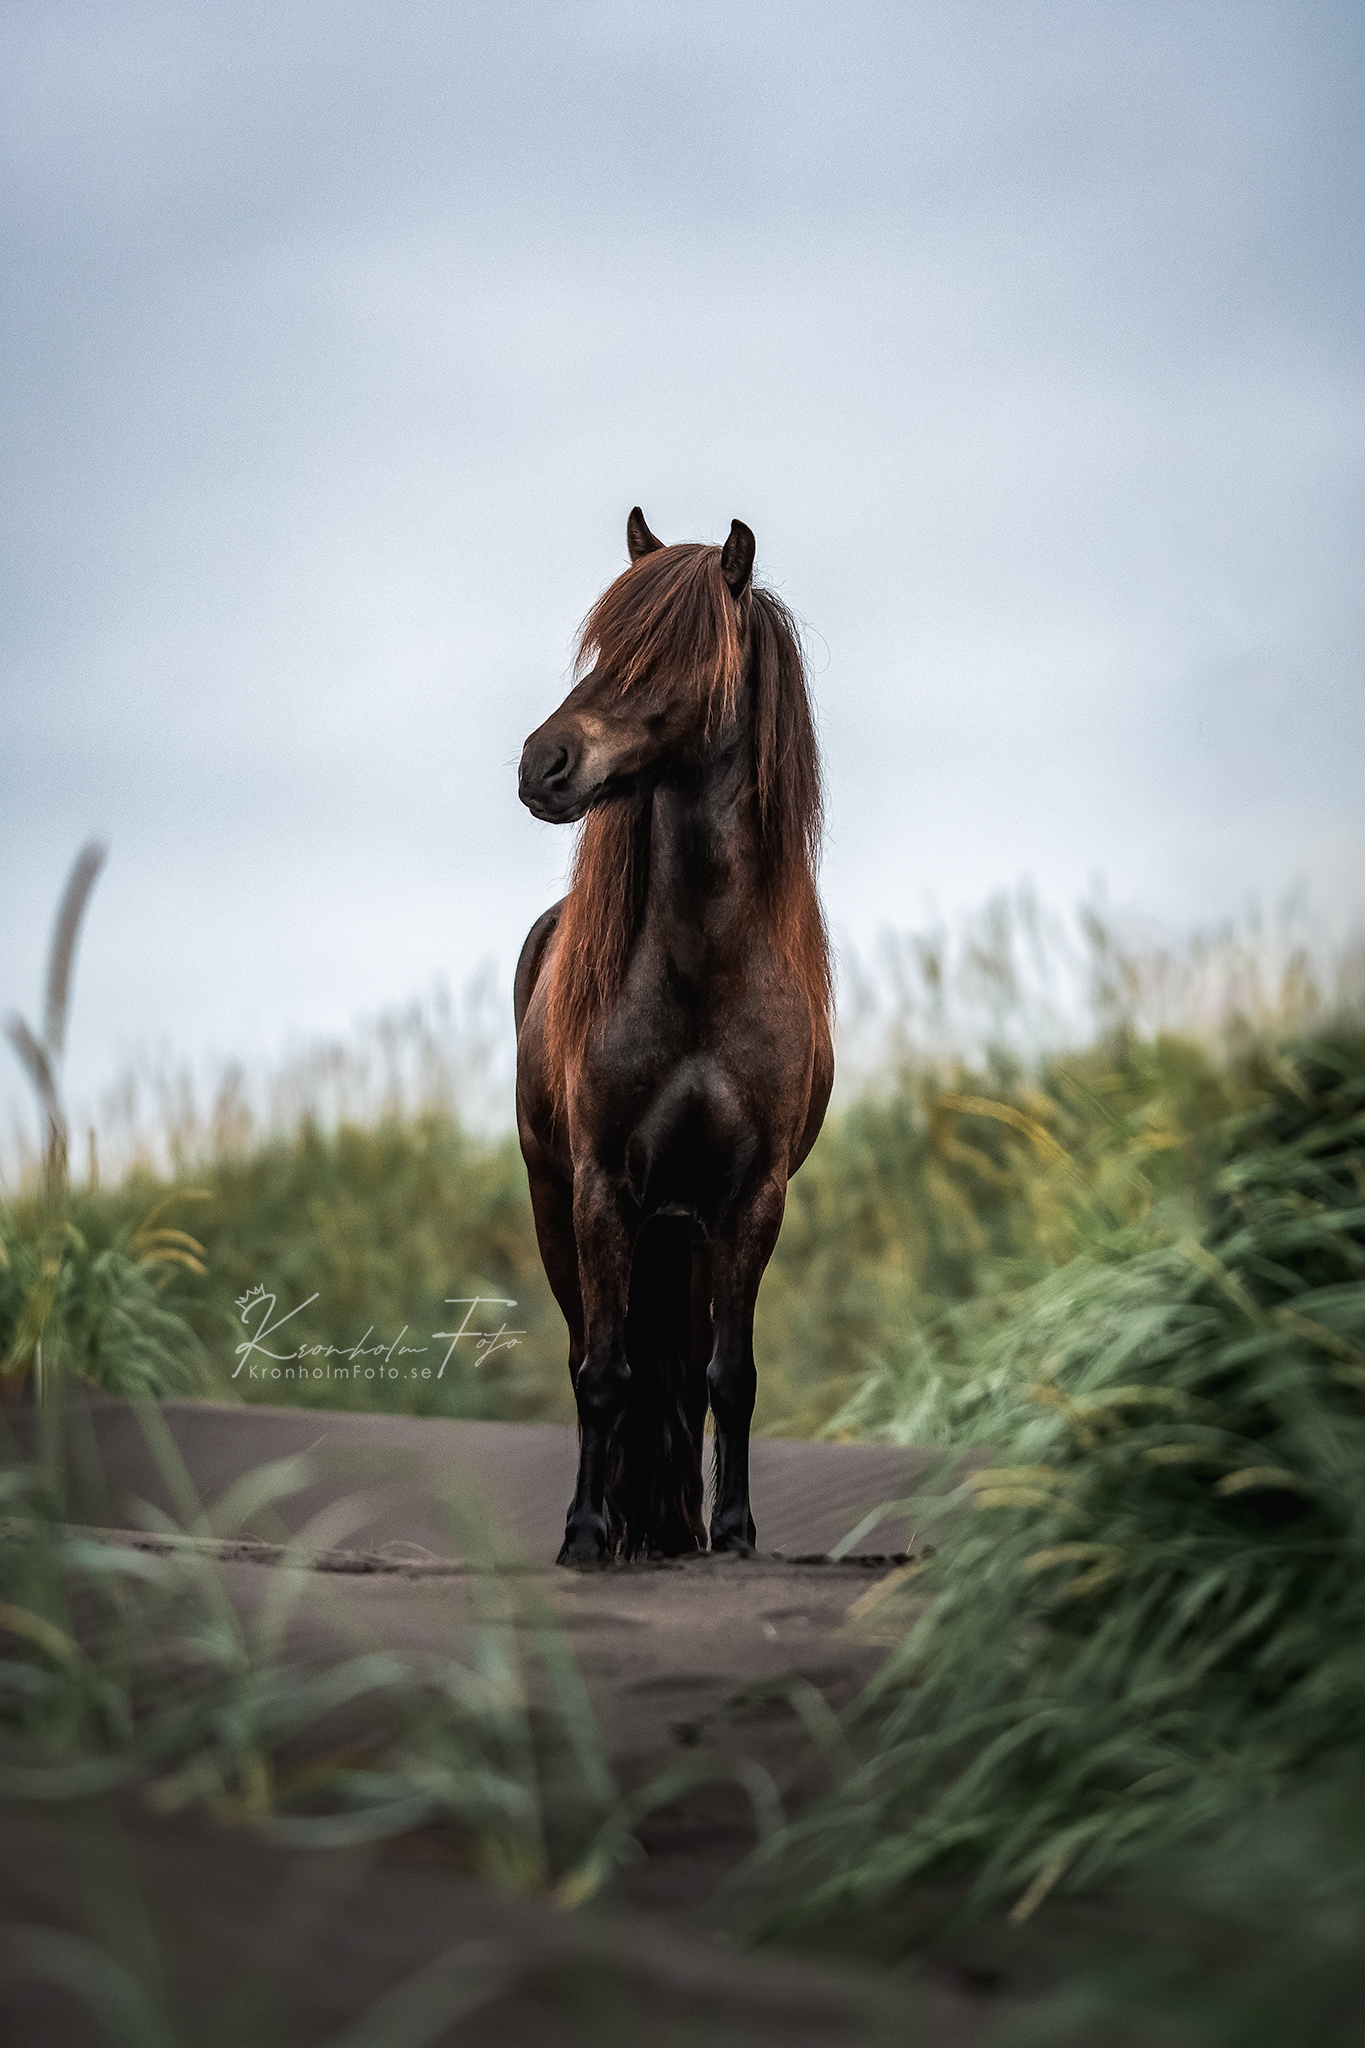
<point>545,780</point>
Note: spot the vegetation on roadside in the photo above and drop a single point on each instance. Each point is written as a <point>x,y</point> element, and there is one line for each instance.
<point>87,1304</point>
<point>1139,1637</point>
<point>936,1199</point>
<point>374,1241</point>
<point>73,1306</point>
<point>961,1164</point>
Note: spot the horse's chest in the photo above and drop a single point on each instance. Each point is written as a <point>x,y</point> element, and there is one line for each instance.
<point>691,1098</point>
<point>719,1040</point>
<point>692,1141</point>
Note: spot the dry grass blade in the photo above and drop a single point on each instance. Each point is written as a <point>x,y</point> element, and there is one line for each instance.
<point>38,1067</point>
<point>1005,1113</point>
<point>65,932</point>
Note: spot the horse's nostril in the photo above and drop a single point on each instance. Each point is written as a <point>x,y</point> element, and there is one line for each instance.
<point>558,770</point>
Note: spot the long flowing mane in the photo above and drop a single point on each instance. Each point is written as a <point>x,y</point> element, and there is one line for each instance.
<point>669,623</point>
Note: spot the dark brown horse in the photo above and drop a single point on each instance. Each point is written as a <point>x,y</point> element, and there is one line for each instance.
<point>674,1058</point>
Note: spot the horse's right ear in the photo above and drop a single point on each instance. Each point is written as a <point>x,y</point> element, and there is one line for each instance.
<point>639,539</point>
<point>737,558</point>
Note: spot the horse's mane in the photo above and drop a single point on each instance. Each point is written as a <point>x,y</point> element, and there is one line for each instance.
<point>669,622</point>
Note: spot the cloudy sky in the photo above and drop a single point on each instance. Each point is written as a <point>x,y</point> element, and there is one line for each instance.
<point>336,341</point>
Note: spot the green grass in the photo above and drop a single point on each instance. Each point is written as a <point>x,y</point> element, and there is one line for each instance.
<point>931,1204</point>
<point>1144,1624</point>
<point>945,1184</point>
<point>937,1194</point>
<point>94,1306</point>
<point>382,1226</point>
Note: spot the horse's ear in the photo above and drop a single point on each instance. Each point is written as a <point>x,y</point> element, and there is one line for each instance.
<point>737,558</point>
<point>639,539</point>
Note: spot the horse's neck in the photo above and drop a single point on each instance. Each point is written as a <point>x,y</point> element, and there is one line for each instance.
<point>705,883</point>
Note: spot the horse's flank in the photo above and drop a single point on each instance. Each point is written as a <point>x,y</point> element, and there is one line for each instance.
<point>668,623</point>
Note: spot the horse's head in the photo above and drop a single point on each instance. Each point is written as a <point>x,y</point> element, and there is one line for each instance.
<point>667,646</point>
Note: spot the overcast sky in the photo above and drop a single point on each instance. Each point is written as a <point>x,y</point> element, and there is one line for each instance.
<point>337,341</point>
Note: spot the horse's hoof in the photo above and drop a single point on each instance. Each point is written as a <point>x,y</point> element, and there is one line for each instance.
<point>585,1542</point>
<point>733,1543</point>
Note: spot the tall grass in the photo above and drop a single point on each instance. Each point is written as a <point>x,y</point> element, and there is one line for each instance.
<point>934,1199</point>
<point>366,1236</point>
<point>935,1202</point>
<point>1145,1619</point>
<point>1011,1088</point>
<point>72,1306</point>
<point>345,1187</point>
<point>368,1184</point>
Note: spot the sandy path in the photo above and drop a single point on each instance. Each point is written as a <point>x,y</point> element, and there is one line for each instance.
<point>662,1648</point>
<point>806,1496</point>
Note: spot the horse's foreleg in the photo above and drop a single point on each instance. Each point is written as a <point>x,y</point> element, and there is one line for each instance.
<point>737,1264</point>
<point>552,1208</point>
<point>604,1374</point>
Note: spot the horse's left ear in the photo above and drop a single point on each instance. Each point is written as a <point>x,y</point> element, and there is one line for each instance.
<point>639,540</point>
<point>737,558</point>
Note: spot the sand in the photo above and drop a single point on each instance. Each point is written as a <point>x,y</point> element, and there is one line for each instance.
<point>662,1648</point>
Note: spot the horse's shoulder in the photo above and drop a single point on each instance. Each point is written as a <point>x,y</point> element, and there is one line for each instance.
<point>531,957</point>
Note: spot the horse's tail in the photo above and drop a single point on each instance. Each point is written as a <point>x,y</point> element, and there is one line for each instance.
<point>653,1498</point>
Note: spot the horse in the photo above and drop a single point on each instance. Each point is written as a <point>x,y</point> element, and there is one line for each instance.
<point>674,1027</point>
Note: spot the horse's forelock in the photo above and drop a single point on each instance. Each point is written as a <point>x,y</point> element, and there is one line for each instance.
<point>668,622</point>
